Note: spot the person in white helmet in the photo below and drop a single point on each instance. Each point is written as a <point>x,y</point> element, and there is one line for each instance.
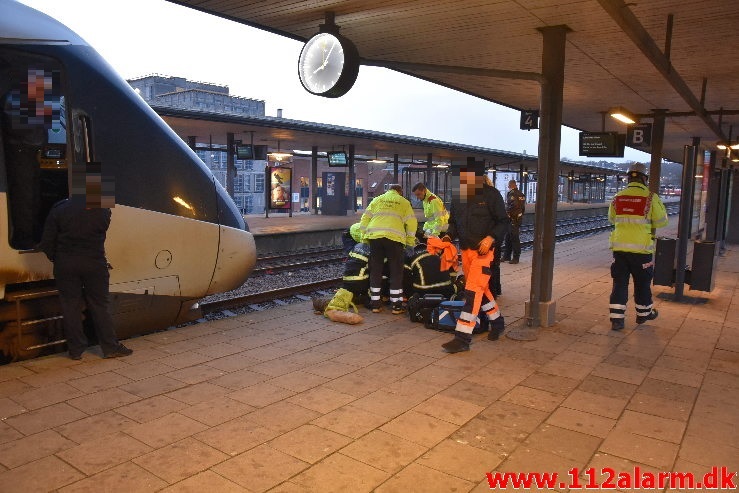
<point>635,212</point>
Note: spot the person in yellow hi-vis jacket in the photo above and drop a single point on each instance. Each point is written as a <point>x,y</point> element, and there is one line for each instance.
<point>388,225</point>
<point>635,212</point>
<point>437,217</point>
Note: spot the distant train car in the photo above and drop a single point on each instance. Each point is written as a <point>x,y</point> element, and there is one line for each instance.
<point>175,236</point>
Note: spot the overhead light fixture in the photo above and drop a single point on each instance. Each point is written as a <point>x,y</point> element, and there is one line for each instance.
<point>727,145</point>
<point>279,155</point>
<point>376,160</point>
<point>623,115</point>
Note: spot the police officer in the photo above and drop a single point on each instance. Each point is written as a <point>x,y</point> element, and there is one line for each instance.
<point>515,207</point>
<point>477,217</point>
<point>437,217</point>
<point>635,212</point>
<point>389,224</point>
<point>74,239</point>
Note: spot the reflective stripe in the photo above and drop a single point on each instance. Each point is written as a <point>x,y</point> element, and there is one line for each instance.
<point>429,286</point>
<point>467,317</point>
<point>617,315</point>
<point>396,299</point>
<point>631,220</point>
<point>396,291</point>
<point>464,327</point>
<point>397,232</point>
<point>644,307</point>
<point>358,256</point>
<point>617,307</point>
<point>356,278</point>
<point>375,297</point>
<point>632,247</point>
<point>494,316</point>
<point>375,290</point>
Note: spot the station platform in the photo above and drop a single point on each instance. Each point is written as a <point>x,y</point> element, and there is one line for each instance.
<point>283,400</point>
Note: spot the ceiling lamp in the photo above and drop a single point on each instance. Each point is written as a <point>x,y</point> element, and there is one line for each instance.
<point>279,155</point>
<point>623,115</point>
<point>377,161</point>
<point>727,145</point>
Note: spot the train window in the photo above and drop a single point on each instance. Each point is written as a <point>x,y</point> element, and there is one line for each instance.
<point>34,154</point>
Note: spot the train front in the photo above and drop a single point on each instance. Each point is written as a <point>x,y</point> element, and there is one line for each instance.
<point>175,235</point>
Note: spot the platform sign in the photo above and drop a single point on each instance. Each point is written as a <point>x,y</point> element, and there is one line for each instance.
<point>602,144</point>
<point>529,119</point>
<point>639,135</point>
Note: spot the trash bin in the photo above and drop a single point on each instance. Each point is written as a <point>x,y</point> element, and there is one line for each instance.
<point>704,266</point>
<point>664,262</point>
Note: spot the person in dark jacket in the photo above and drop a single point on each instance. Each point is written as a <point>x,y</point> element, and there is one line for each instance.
<point>423,274</point>
<point>515,207</point>
<point>74,240</point>
<point>477,218</point>
<point>356,273</point>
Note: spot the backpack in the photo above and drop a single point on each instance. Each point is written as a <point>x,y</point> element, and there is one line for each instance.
<point>444,318</point>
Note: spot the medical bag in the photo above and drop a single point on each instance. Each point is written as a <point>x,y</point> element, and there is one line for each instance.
<point>420,307</point>
<point>444,317</point>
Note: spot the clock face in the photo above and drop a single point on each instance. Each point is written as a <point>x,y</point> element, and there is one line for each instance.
<point>325,67</point>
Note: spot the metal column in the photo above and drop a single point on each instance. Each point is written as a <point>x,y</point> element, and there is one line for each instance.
<point>192,141</point>
<point>314,179</point>
<point>658,138</point>
<point>540,309</point>
<point>690,154</point>
<point>230,164</point>
<point>395,168</point>
<point>352,183</point>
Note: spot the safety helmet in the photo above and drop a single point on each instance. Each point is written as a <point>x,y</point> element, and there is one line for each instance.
<point>637,169</point>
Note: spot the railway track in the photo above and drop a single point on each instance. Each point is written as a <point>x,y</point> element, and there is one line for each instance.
<point>276,263</point>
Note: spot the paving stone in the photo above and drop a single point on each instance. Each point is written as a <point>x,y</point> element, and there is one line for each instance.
<point>165,430</point>
<point>607,387</point>
<point>534,398</point>
<point>432,480</point>
<point>419,428</point>
<point>298,381</point>
<point>633,376</point>
<point>102,453</point>
<point>151,408</point>
<point>709,453</point>
<point>260,469</point>
<point>669,390</point>
<point>609,407</point>
<point>690,378</point>
<point>321,399</point>
<point>239,379</point>
<point>460,460</point>
<point>216,411</point>
<point>98,382</point>
<point>196,374</point>
<point>180,460</point>
<point>669,430</point>
<point>490,435</point>
<point>102,401</point>
<point>156,385</point>
<point>290,416</point>
<point>261,395</point>
<point>579,447</point>
<point>143,370</point>
<point>350,421</point>
<point>551,383</point>
<point>45,418</point>
<point>236,436</point>
<point>205,481</point>
<point>472,393</point>
<point>47,474</point>
<point>200,392</point>
<point>658,406</point>
<point>95,427</point>
<point>572,419</point>
<point>37,398</point>
<point>124,478</point>
<point>641,449</point>
<point>514,416</point>
<point>339,473</point>
<point>8,433</point>
<point>384,451</point>
<point>33,447</point>
<point>309,443</point>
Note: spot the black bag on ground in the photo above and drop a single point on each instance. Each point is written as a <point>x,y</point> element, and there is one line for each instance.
<point>444,317</point>
<point>420,307</point>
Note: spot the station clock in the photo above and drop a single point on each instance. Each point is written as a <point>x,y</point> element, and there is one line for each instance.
<point>328,65</point>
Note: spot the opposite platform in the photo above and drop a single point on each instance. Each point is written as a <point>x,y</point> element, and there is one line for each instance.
<point>286,401</point>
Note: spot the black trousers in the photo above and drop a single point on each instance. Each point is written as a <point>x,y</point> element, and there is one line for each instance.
<point>78,278</point>
<point>381,249</point>
<point>641,268</point>
<point>512,242</point>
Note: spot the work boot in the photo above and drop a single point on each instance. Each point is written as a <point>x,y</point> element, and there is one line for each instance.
<point>461,342</point>
<point>398,308</point>
<point>617,324</point>
<point>375,307</point>
<point>640,320</point>
<point>119,352</point>
<point>514,260</point>
<point>496,328</point>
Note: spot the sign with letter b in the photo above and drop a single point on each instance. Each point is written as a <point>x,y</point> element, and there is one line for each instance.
<point>639,135</point>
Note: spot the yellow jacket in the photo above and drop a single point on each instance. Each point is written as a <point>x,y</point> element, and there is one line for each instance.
<point>389,216</point>
<point>437,217</point>
<point>635,211</point>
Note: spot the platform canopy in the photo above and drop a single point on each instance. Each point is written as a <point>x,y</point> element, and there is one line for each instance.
<point>676,55</point>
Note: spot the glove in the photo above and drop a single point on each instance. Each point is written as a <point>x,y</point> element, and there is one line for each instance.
<point>446,238</point>
<point>484,247</point>
<point>409,251</point>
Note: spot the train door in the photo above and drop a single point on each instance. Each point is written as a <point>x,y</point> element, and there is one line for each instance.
<point>34,148</point>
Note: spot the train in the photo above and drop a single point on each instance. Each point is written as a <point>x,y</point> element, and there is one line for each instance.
<point>176,235</point>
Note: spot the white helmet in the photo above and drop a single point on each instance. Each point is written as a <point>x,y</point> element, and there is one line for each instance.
<point>637,169</point>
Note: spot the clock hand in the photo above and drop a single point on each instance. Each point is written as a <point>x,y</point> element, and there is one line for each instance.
<point>329,53</point>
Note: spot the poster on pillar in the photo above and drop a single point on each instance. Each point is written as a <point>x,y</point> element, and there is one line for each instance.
<point>639,135</point>
<point>280,189</point>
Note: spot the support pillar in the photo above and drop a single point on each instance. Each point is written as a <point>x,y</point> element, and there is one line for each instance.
<point>658,138</point>
<point>540,309</point>
<point>352,183</point>
<point>230,164</point>
<point>314,179</point>
<point>690,154</point>
<point>395,168</point>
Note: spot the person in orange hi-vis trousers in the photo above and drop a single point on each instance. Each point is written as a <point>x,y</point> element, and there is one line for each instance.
<point>477,217</point>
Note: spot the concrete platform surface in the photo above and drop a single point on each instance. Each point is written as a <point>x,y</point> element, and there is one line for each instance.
<point>283,400</point>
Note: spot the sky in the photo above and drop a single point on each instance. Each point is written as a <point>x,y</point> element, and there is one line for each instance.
<point>143,37</point>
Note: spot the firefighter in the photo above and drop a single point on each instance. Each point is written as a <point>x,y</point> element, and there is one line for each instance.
<point>389,224</point>
<point>356,273</point>
<point>515,207</point>
<point>437,217</point>
<point>477,217</point>
<point>424,274</point>
<point>636,213</point>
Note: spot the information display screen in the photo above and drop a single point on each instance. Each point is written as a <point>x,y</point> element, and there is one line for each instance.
<point>337,159</point>
<point>602,144</point>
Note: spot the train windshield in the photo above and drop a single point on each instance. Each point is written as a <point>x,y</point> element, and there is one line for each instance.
<point>33,152</point>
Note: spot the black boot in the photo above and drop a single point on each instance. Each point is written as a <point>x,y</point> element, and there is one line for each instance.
<point>651,316</point>
<point>496,328</point>
<point>461,342</point>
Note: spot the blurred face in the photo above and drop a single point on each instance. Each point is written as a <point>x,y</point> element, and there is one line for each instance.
<point>419,193</point>
<point>469,183</point>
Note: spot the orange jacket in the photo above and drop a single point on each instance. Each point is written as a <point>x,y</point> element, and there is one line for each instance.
<point>446,250</point>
